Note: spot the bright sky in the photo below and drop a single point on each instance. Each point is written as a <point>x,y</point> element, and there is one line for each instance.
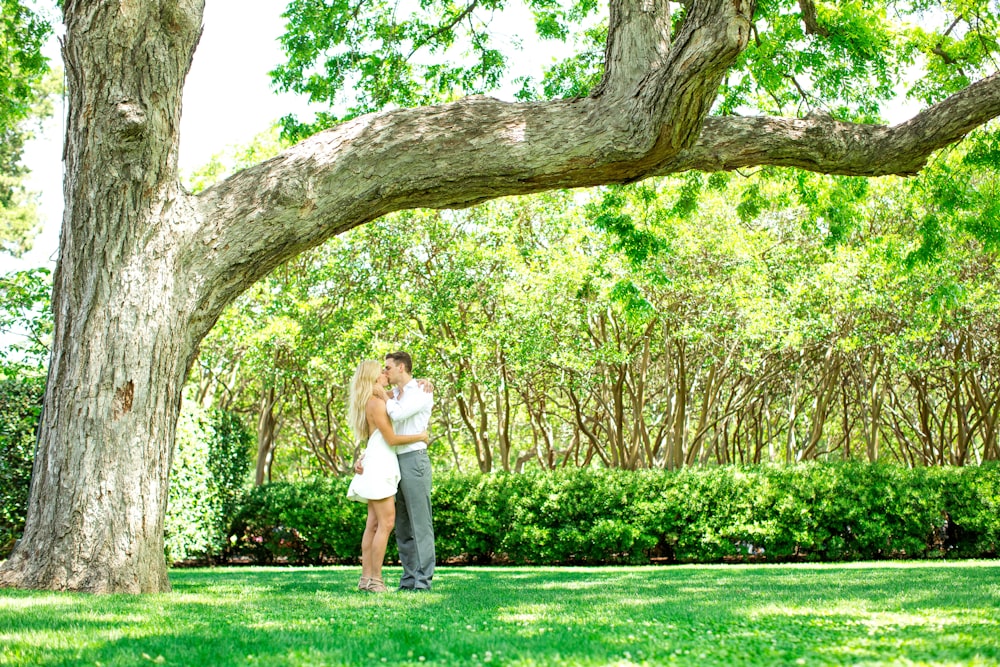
<point>227,100</point>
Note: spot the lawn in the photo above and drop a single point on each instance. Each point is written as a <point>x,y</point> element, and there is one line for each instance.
<point>939,613</point>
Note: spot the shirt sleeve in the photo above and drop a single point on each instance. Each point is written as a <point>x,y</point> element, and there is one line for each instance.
<point>413,401</point>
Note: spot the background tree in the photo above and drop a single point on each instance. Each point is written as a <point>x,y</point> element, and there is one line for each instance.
<point>679,322</point>
<point>24,92</point>
<point>145,268</point>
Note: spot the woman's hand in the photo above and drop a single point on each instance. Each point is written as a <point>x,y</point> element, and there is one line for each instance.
<point>380,393</point>
<point>425,437</point>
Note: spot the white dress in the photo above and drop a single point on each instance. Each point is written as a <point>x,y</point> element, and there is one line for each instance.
<point>381,476</point>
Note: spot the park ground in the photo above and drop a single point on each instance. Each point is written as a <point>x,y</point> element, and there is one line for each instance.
<point>894,613</point>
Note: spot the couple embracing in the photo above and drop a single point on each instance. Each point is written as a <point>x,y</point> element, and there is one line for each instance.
<point>393,474</point>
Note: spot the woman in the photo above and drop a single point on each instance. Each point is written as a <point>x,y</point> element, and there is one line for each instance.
<point>377,484</point>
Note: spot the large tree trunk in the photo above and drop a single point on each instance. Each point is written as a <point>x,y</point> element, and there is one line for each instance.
<point>145,269</point>
<point>123,341</point>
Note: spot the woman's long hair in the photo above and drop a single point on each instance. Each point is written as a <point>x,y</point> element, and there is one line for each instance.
<point>361,390</point>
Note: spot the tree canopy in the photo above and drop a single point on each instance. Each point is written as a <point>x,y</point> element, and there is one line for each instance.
<point>23,88</point>
<point>849,60</point>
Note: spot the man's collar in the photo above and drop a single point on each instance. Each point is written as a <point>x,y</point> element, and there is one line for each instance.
<point>411,383</point>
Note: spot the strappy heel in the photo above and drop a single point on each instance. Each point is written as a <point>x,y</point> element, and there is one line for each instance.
<point>376,585</point>
<point>364,583</point>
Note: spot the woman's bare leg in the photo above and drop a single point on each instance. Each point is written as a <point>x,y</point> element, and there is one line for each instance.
<point>366,543</point>
<point>385,519</point>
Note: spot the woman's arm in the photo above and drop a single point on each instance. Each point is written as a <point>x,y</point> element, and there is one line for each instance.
<point>379,418</point>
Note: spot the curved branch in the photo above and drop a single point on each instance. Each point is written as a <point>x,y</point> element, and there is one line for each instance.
<point>467,152</point>
<point>460,154</point>
<point>822,144</point>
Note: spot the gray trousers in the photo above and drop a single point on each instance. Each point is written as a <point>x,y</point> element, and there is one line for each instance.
<point>414,524</point>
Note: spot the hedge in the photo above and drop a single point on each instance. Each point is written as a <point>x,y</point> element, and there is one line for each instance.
<point>812,512</point>
<point>210,473</point>
<point>20,408</point>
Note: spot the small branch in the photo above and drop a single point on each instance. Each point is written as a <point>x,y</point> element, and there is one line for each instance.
<point>802,93</point>
<point>444,28</point>
<point>954,23</point>
<point>940,52</point>
<point>811,20</point>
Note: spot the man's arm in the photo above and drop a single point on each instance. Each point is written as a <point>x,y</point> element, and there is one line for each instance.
<point>409,404</point>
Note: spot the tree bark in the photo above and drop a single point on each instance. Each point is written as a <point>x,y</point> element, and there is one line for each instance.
<point>145,269</point>
<point>267,425</point>
<point>123,339</point>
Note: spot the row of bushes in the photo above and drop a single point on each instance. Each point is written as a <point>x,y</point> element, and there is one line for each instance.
<point>819,512</point>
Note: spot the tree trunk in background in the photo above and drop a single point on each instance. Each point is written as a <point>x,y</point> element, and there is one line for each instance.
<point>267,424</point>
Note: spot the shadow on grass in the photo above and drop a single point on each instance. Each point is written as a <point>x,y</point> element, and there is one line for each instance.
<point>860,614</point>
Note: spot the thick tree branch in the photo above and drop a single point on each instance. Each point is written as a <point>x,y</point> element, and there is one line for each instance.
<point>460,154</point>
<point>467,152</point>
<point>825,145</point>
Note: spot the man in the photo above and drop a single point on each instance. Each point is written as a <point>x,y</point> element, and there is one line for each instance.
<point>409,407</point>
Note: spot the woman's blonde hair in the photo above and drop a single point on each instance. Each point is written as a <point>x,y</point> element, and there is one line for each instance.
<point>361,390</point>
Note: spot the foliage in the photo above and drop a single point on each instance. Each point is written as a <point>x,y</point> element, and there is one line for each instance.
<point>926,613</point>
<point>24,319</point>
<point>20,410</point>
<point>306,522</point>
<point>366,58</point>
<point>211,465</point>
<point>815,512</point>
<point>25,314</point>
<point>189,526</point>
<point>848,59</point>
<point>230,460</point>
<point>22,33</point>
<point>25,85</point>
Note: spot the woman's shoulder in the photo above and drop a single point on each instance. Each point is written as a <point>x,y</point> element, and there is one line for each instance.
<point>374,402</point>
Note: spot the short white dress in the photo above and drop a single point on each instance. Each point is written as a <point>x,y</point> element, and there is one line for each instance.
<point>381,476</point>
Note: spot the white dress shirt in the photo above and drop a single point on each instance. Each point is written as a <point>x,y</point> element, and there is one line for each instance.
<point>410,414</point>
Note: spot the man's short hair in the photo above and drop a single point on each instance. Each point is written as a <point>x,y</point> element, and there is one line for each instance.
<point>402,358</point>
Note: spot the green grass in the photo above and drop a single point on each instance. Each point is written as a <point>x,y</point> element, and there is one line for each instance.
<point>941,613</point>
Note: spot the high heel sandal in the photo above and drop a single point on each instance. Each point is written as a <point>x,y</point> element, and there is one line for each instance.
<point>376,585</point>
<point>364,582</point>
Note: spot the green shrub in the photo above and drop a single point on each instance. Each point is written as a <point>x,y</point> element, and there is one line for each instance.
<point>815,511</point>
<point>210,472</point>
<point>305,523</point>
<point>574,516</point>
<point>20,408</point>
<point>231,453</point>
<point>971,509</point>
<point>189,525</point>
